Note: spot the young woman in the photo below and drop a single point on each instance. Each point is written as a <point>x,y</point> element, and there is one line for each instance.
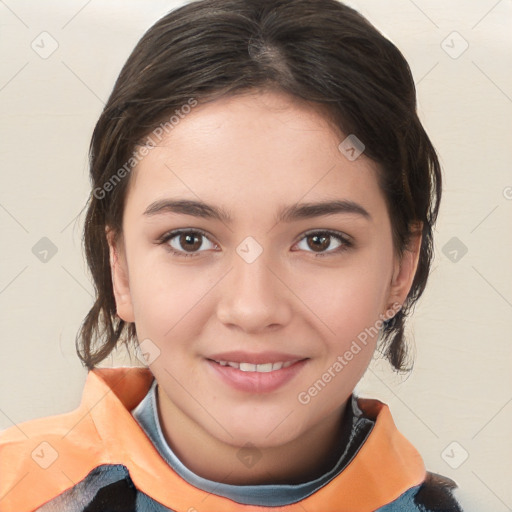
<point>260,221</point>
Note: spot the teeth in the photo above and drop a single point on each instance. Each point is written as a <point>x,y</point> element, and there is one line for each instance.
<point>261,368</point>
<point>248,367</point>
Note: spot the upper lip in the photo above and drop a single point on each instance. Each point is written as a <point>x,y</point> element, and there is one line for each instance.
<point>255,358</point>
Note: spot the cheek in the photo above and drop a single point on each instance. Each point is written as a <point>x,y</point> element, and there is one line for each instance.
<point>347,299</point>
<point>167,299</point>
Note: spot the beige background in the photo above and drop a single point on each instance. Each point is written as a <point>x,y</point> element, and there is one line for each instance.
<point>460,390</point>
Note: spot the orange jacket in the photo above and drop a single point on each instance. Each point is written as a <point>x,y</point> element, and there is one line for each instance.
<point>45,458</point>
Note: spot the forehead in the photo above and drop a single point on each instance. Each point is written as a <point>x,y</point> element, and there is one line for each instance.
<point>250,149</point>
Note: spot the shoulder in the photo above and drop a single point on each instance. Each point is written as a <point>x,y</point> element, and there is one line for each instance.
<point>25,438</point>
<point>42,458</point>
<point>38,458</point>
<point>435,494</point>
<point>426,491</point>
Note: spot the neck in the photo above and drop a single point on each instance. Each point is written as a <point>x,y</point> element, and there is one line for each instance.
<point>303,459</point>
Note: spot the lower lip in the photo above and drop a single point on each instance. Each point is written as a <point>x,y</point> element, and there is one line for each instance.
<point>256,382</point>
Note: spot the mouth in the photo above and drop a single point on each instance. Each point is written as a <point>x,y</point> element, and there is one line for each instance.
<point>255,373</point>
<point>260,368</point>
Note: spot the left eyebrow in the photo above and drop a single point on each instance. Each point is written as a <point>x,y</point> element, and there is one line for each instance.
<point>286,214</point>
<point>310,210</point>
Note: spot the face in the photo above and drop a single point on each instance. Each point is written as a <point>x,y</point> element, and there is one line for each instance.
<point>228,271</point>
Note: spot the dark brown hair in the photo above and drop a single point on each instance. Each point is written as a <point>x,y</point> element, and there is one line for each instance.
<point>320,51</point>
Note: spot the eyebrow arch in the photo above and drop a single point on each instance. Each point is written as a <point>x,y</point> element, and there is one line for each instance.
<point>286,214</point>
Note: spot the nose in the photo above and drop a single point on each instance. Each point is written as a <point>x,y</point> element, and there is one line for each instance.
<point>254,296</point>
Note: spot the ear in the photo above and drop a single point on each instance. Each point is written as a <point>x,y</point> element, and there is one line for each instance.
<point>120,278</point>
<point>405,268</point>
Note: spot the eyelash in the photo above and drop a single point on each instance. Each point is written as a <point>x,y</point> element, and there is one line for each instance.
<point>346,243</point>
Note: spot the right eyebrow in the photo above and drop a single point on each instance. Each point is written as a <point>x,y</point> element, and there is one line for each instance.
<point>187,207</point>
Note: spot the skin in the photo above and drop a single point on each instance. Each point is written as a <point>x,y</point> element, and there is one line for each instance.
<point>251,155</point>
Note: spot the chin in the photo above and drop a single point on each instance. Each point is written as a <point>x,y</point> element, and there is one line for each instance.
<point>263,430</point>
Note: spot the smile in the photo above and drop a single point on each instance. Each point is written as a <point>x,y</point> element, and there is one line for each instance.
<point>250,373</point>
<point>260,368</point>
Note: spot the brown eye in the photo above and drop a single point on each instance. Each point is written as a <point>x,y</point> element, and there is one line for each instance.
<point>190,242</point>
<point>186,242</point>
<point>319,241</point>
